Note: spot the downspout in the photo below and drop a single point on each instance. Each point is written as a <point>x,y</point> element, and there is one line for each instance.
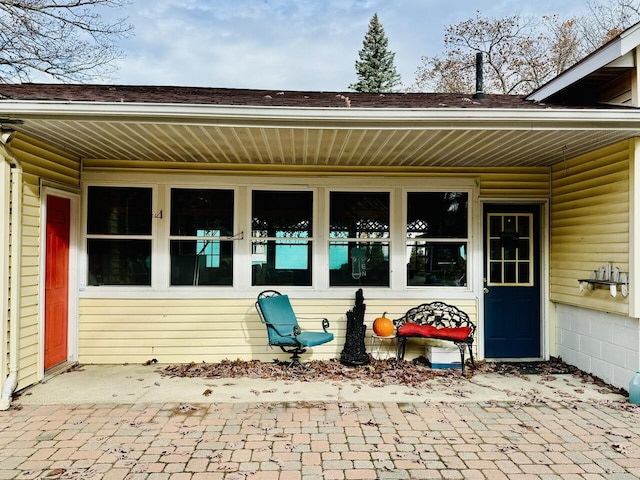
<point>16,271</point>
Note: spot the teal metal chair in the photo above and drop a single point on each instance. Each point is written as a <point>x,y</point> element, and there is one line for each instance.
<point>282,327</point>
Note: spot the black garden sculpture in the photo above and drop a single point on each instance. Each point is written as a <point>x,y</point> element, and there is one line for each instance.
<point>354,352</point>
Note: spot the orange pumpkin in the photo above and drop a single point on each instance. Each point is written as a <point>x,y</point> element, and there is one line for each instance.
<point>383,326</point>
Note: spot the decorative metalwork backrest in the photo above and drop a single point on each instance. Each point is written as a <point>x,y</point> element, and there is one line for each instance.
<point>438,314</point>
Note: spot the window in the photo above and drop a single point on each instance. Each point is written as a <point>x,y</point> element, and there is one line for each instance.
<point>119,236</point>
<point>359,238</point>
<point>281,237</point>
<point>510,249</point>
<point>437,238</point>
<point>201,244</point>
<point>216,233</point>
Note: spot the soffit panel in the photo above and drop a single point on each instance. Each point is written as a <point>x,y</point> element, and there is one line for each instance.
<point>346,146</point>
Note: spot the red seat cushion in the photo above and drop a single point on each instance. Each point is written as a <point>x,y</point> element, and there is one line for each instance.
<point>410,329</point>
<point>456,334</point>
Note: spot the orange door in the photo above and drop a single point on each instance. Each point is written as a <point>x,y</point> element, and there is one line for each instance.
<point>56,281</point>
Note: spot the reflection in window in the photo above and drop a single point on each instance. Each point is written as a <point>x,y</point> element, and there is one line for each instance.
<point>119,262</point>
<point>359,232</point>
<point>201,246</point>
<point>119,211</point>
<point>281,237</point>
<point>209,249</point>
<point>437,226</point>
<point>119,236</point>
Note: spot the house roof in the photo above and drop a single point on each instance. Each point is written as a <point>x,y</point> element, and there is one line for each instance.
<point>254,98</point>
<point>588,76</point>
<point>108,124</point>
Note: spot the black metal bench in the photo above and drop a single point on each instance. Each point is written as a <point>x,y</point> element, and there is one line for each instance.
<point>436,320</point>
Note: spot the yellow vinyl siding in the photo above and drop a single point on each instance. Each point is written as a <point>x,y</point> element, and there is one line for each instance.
<point>589,221</point>
<point>196,330</point>
<point>512,182</point>
<point>619,92</point>
<point>29,286</point>
<point>38,162</point>
<point>41,161</point>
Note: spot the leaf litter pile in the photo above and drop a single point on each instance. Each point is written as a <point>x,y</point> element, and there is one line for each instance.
<point>380,372</point>
<point>415,373</point>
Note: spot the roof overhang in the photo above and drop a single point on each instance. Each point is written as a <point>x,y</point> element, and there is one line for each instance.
<point>614,56</point>
<point>104,134</point>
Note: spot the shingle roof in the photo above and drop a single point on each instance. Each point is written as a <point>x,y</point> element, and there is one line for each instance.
<point>245,97</point>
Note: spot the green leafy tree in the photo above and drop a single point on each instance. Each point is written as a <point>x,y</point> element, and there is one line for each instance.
<point>376,69</point>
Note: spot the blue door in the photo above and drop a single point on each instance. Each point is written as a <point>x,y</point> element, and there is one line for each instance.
<point>512,281</point>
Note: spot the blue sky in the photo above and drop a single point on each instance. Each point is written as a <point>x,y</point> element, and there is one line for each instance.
<point>291,44</point>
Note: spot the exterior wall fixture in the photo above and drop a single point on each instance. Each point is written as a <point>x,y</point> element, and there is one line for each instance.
<point>6,135</point>
<point>607,276</point>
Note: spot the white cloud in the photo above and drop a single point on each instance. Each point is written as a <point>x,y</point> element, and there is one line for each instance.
<point>288,44</point>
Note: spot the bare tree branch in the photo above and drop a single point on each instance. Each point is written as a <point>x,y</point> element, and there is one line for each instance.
<point>67,40</point>
<point>521,54</point>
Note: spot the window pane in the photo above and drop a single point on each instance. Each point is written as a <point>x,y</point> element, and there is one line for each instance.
<point>523,273</point>
<point>495,272</point>
<point>495,225</point>
<point>437,215</point>
<point>281,262</point>
<point>204,212</point>
<point>495,250</point>
<point>284,220</point>
<point>282,214</point>
<point>119,211</point>
<point>119,262</point>
<point>523,249</point>
<point>510,272</point>
<point>201,262</point>
<point>437,264</point>
<point>359,263</point>
<point>359,215</point>
<point>523,225</point>
<point>510,252</point>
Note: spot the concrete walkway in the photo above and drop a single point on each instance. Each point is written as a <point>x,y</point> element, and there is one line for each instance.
<point>130,422</point>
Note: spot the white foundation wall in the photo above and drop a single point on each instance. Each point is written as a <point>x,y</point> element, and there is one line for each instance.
<point>604,344</point>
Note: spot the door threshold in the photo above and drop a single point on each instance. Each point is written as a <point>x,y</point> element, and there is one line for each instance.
<point>58,369</point>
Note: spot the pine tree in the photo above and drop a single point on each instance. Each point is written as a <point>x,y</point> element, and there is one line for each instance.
<point>375,69</point>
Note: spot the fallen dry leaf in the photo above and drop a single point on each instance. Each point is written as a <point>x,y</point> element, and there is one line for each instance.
<point>56,472</point>
<point>379,373</point>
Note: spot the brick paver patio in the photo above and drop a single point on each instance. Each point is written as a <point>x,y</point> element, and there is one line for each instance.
<point>323,440</point>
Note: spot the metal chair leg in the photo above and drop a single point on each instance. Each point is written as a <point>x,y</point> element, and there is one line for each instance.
<point>295,361</point>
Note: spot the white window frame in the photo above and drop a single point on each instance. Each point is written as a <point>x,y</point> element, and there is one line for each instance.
<point>388,240</point>
<point>312,239</point>
<point>165,276</point>
<point>466,240</point>
<point>84,263</point>
<point>243,185</point>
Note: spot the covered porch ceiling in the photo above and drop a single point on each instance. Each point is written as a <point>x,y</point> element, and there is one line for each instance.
<point>253,137</point>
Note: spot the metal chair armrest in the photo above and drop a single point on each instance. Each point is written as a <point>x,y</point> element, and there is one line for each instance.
<point>325,321</point>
